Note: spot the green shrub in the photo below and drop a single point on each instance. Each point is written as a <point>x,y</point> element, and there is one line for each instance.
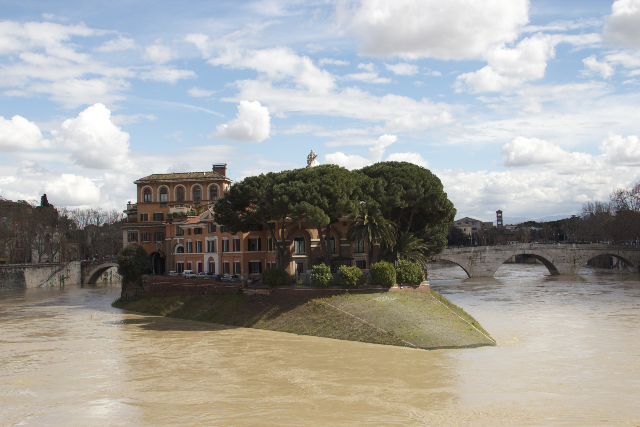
<point>350,277</point>
<point>409,272</point>
<point>273,276</point>
<point>382,274</point>
<point>321,276</point>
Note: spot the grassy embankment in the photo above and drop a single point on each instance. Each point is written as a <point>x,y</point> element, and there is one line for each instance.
<point>410,319</point>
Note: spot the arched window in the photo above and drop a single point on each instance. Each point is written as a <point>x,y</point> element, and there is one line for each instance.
<point>180,249</point>
<point>180,194</point>
<point>213,192</point>
<point>332,244</point>
<point>298,245</point>
<point>197,194</point>
<point>146,195</point>
<point>163,194</point>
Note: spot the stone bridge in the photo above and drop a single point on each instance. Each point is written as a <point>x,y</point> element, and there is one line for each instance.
<point>92,270</point>
<point>483,261</point>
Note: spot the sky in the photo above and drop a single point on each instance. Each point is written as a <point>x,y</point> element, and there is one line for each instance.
<point>530,107</point>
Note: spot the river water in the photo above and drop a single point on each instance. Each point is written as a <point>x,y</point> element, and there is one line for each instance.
<point>568,354</point>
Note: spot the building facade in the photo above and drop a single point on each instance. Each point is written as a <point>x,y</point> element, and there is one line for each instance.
<point>173,220</point>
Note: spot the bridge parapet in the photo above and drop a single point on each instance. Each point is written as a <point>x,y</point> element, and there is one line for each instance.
<point>92,270</point>
<point>484,261</point>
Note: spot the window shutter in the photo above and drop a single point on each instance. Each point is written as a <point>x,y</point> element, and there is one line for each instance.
<point>259,244</point>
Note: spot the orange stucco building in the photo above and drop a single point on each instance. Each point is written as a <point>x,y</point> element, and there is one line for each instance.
<point>173,221</point>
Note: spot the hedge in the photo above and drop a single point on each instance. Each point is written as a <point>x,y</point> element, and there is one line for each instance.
<point>273,276</point>
<point>409,272</point>
<point>382,274</point>
<point>321,276</point>
<point>350,277</point>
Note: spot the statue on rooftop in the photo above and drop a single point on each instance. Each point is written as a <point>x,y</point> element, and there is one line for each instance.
<point>311,159</point>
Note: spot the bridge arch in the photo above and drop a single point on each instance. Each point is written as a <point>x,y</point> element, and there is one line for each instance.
<point>97,272</point>
<point>553,270</point>
<point>585,259</point>
<point>465,267</point>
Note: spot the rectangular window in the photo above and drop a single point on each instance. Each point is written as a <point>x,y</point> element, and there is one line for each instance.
<point>179,231</point>
<point>212,267</point>
<point>158,216</point>
<point>199,266</point>
<point>189,231</point>
<point>236,267</point>
<point>188,265</point>
<point>144,217</point>
<point>224,229</point>
<point>211,245</point>
<point>197,231</point>
<point>225,267</point>
<point>236,245</point>
<point>255,267</point>
<point>198,246</point>
<point>270,244</point>
<point>212,227</point>
<point>189,247</point>
<point>361,264</point>
<point>133,237</point>
<point>254,244</point>
<point>145,237</point>
<point>225,245</point>
<point>158,236</point>
<point>179,267</point>
<point>358,247</point>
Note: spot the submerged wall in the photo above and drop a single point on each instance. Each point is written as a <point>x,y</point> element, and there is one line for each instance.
<point>22,276</point>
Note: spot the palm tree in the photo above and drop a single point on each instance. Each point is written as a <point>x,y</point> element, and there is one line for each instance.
<point>373,229</point>
<point>409,247</point>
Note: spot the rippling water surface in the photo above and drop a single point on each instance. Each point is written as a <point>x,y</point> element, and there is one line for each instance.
<point>568,354</point>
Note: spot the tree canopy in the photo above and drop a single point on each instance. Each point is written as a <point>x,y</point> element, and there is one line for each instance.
<point>407,196</point>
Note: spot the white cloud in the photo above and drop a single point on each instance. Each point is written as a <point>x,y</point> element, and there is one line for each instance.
<point>349,161</point>
<point>402,68</point>
<point>20,134</point>
<point>72,190</point>
<point>620,150</point>
<point>167,74</point>
<point>531,151</point>
<point>367,77</point>
<point>376,151</point>
<point>95,142</point>
<point>414,158</point>
<point>454,29</point>
<point>325,61</point>
<point>508,68</point>
<point>400,113</point>
<point>122,119</point>
<point>252,124</point>
<point>279,64</point>
<point>593,66</point>
<point>623,25</point>
<point>197,92</point>
<point>117,45</point>
<point>158,53</point>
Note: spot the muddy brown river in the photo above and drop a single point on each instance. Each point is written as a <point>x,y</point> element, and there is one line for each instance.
<point>568,354</point>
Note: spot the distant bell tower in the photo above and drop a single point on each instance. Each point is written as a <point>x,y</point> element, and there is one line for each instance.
<point>311,159</point>
<point>499,223</point>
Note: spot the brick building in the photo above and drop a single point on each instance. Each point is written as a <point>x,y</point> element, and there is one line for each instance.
<point>173,221</point>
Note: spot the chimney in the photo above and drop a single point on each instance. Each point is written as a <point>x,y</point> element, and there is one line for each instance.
<point>220,168</point>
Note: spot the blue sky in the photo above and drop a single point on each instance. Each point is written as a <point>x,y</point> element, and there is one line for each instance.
<point>527,107</point>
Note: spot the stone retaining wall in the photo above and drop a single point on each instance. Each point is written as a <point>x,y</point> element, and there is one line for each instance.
<point>22,276</point>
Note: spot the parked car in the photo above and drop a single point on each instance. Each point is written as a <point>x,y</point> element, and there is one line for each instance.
<point>225,277</point>
<point>213,276</point>
<point>174,274</point>
<point>201,275</point>
<point>189,274</point>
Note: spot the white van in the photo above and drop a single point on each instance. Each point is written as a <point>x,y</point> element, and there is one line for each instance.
<point>189,274</point>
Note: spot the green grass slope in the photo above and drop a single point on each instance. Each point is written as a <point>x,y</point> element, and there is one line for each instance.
<point>409,319</point>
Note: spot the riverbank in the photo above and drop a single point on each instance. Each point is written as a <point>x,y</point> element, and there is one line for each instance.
<point>410,319</point>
